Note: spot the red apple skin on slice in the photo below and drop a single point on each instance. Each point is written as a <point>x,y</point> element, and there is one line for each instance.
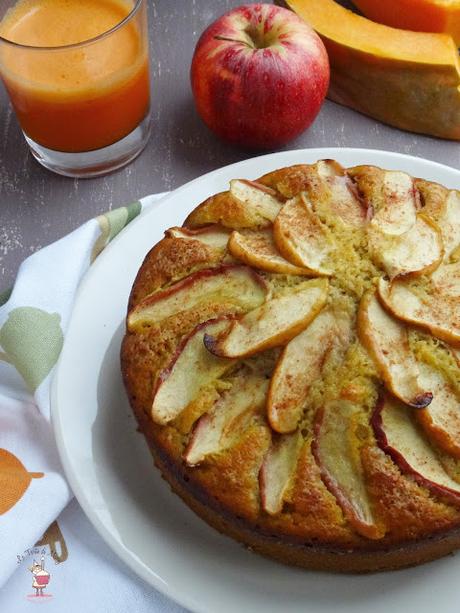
<point>225,283</point>
<point>278,470</point>
<point>338,457</point>
<point>299,366</point>
<point>190,370</point>
<point>217,430</point>
<point>262,199</point>
<point>441,418</point>
<point>213,235</point>
<point>257,248</point>
<point>398,436</point>
<point>439,312</point>
<point>388,345</point>
<point>300,236</point>
<point>272,324</point>
<point>418,251</point>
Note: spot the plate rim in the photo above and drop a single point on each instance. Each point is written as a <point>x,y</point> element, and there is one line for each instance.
<point>129,558</point>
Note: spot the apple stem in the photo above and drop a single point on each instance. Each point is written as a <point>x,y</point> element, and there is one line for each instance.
<point>234,40</point>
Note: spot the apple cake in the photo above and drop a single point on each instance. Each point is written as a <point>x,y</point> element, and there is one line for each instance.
<point>290,356</point>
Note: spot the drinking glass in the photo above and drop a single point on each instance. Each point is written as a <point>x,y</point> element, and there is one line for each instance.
<point>84,108</point>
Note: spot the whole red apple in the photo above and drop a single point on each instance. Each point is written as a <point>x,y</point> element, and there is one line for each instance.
<point>259,76</point>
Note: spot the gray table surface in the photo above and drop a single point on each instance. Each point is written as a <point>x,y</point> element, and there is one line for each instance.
<point>37,207</point>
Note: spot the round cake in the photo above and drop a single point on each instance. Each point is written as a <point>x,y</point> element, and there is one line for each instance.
<point>290,356</point>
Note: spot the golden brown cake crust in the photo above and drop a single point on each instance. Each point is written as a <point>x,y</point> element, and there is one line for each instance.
<point>312,529</point>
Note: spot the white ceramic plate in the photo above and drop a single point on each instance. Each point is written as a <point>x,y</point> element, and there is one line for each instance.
<point>111,472</point>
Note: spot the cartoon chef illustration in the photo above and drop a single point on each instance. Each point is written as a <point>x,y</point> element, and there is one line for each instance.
<point>41,577</point>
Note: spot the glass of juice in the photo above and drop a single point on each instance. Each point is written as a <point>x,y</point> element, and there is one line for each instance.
<point>78,77</point>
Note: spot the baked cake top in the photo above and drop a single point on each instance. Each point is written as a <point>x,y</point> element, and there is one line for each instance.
<point>292,348</point>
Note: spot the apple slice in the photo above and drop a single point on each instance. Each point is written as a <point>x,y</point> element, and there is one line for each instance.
<point>272,324</point>
<point>398,436</point>
<point>190,370</point>
<point>236,284</point>
<point>248,204</point>
<point>336,450</point>
<point>212,236</point>
<point>417,251</point>
<point>397,212</point>
<point>435,306</point>
<point>299,365</point>
<point>449,224</point>
<point>388,344</point>
<point>257,248</point>
<point>301,237</point>
<point>217,430</point>
<point>342,196</point>
<point>391,196</point>
<point>263,200</point>
<point>443,206</point>
<point>441,419</point>
<point>277,471</point>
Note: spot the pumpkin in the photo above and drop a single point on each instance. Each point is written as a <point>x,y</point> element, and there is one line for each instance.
<point>418,15</point>
<point>409,80</point>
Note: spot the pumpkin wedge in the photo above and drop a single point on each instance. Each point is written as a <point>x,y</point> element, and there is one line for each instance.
<point>416,15</point>
<point>409,80</point>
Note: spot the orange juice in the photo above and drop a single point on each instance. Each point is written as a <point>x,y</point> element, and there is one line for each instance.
<point>80,98</point>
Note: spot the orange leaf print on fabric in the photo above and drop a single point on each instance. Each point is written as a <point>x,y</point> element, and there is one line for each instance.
<point>14,480</point>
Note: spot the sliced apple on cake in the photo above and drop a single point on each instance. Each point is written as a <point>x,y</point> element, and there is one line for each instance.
<point>190,370</point>
<point>336,450</point>
<point>272,324</point>
<point>248,204</point>
<point>443,206</point>
<point>213,235</point>
<point>299,365</point>
<point>396,212</point>
<point>387,342</point>
<point>398,435</point>
<point>217,430</point>
<point>441,418</point>
<point>415,252</point>
<point>328,185</point>
<point>257,248</point>
<point>301,237</point>
<point>278,470</point>
<point>432,303</point>
<point>239,285</point>
<point>390,196</point>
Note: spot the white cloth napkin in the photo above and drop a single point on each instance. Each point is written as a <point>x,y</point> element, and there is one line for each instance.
<point>62,563</point>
